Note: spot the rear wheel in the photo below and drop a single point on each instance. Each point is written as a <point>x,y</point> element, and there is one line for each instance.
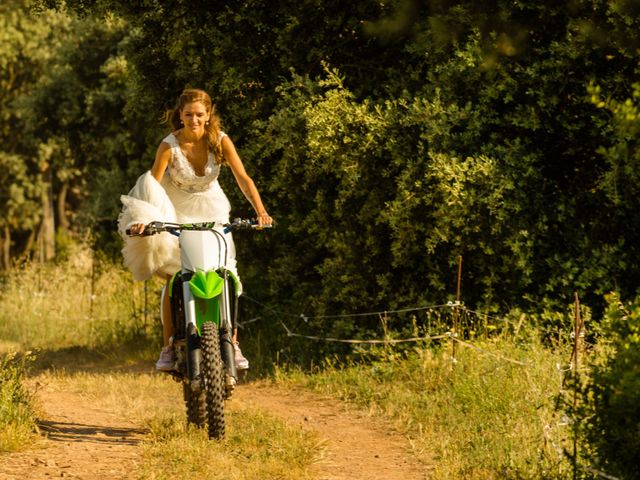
<point>213,375</point>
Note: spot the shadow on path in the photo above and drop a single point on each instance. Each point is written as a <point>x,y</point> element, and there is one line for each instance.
<point>77,432</point>
<point>136,357</point>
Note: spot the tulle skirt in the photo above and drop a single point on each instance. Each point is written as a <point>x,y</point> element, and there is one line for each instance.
<point>150,200</point>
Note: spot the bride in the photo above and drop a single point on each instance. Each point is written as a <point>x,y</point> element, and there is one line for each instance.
<point>182,186</point>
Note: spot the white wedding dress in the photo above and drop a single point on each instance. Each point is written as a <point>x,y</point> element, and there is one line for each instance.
<point>182,196</point>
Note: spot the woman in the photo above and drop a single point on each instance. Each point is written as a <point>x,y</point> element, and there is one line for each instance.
<point>182,186</point>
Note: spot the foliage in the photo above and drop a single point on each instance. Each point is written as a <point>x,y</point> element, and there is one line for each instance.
<point>390,138</point>
<point>67,83</point>
<point>25,48</point>
<point>612,393</point>
<point>17,415</point>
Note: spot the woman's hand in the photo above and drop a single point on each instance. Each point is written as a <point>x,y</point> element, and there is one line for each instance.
<point>264,219</point>
<point>137,228</point>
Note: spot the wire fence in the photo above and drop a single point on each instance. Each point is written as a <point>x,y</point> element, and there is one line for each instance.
<point>575,337</point>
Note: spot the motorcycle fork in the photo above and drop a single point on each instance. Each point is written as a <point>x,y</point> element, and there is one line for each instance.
<point>194,355</point>
<point>226,329</point>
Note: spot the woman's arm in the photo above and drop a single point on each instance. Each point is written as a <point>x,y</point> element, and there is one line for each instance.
<point>246,184</point>
<point>163,155</point>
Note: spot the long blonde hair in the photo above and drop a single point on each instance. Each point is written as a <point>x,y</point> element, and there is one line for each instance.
<point>211,128</point>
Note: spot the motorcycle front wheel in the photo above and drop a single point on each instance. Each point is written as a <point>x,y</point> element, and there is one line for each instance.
<point>196,405</point>
<point>212,371</point>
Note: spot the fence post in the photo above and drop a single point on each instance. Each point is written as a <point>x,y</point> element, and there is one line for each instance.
<point>456,312</point>
<point>92,292</point>
<point>384,320</point>
<point>577,327</point>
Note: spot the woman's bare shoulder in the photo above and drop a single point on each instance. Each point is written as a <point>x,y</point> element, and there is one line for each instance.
<point>164,148</point>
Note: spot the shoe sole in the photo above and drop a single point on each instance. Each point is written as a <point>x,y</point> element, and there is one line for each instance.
<point>170,368</point>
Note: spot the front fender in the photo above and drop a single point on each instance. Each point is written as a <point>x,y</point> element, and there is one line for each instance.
<point>206,285</point>
<point>206,288</point>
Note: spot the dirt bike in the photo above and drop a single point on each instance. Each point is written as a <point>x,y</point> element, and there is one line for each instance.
<point>204,306</point>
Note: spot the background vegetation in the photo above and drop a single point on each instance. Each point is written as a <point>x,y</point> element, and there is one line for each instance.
<point>387,138</point>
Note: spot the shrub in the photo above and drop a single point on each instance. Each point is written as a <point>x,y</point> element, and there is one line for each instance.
<point>612,394</point>
<point>17,417</point>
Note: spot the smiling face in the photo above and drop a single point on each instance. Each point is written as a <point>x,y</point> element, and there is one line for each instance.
<point>194,116</point>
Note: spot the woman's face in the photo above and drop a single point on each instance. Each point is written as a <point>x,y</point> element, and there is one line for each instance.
<point>194,116</point>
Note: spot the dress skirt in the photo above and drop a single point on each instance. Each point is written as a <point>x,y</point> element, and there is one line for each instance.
<point>150,200</point>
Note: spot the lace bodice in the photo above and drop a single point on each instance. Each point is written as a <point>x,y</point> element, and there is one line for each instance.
<point>182,173</point>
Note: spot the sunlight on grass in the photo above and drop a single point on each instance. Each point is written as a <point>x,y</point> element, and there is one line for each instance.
<point>17,416</point>
<point>480,418</point>
<point>257,446</point>
<point>83,301</point>
<point>483,418</point>
<point>134,396</point>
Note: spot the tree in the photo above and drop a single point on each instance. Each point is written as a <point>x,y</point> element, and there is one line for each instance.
<point>25,50</point>
<point>65,84</point>
<point>459,127</point>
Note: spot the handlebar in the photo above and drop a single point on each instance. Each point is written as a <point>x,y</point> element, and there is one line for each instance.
<point>154,228</point>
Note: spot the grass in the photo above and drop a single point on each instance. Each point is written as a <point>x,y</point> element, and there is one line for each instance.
<point>256,446</point>
<point>82,308</point>
<point>81,302</point>
<point>17,416</point>
<point>480,418</point>
<point>85,321</point>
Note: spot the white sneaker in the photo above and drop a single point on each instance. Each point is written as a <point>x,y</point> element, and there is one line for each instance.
<point>167,360</point>
<point>241,362</point>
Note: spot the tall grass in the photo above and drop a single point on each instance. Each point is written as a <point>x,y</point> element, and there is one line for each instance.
<point>481,417</point>
<point>17,416</point>
<point>84,301</point>
<point>68,311</point>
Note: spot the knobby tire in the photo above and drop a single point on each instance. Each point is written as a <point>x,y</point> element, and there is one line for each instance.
<point>196,404</point>
<point>213,374</point>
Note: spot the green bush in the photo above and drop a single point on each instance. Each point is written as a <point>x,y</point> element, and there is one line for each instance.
<point>612,394</point>
<point>17,417</point>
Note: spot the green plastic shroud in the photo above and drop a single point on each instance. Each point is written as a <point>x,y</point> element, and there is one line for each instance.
<point>206,288</point>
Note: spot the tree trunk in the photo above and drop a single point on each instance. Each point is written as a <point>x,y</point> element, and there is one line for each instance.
<point>63,222</point>
<point>47,235</point>
<point>6,248</point>
<point>28,248</point>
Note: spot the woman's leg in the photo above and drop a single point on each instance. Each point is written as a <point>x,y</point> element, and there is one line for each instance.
<point>166,361</point>
<point>165,314</point>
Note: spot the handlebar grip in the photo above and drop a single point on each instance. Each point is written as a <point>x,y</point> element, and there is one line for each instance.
<point>147,232</point>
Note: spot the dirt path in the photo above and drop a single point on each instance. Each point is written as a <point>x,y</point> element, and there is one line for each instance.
<point>84,442</point>
<point>81,443</point>
<point>356,446</point>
